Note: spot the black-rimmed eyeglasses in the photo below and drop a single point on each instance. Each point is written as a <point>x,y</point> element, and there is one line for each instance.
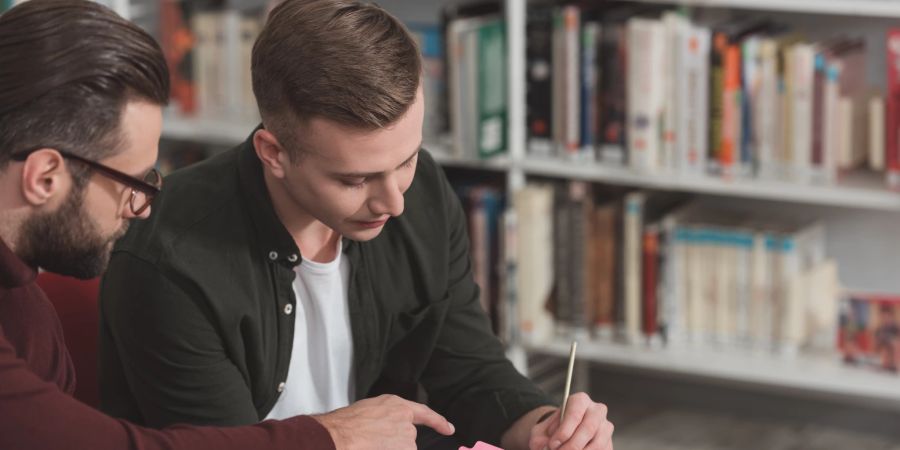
<point>142,191</point>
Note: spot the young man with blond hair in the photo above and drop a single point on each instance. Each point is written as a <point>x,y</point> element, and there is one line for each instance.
<point>319,264</point>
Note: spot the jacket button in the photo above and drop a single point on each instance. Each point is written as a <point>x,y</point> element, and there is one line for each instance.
<point>273,255</point>
<point>281,387</point>
<point>288,309</point>
<point>292,258</point>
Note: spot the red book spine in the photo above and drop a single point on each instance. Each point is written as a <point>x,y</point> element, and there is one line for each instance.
<point>892,122</point>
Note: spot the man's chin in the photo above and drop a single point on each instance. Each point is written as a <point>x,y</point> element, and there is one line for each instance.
<point>362,235</point>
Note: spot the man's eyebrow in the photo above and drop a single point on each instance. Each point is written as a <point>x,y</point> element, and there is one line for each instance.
<point>373,174</point>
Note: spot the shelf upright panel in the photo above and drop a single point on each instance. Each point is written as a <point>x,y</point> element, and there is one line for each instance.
<point>858,8</point>
<point>515,44</point>
<point>516,76</point>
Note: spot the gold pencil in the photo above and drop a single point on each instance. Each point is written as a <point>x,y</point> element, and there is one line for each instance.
<point>562,412</point>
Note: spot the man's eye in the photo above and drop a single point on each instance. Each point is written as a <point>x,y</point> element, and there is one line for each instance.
<point>354,182</point>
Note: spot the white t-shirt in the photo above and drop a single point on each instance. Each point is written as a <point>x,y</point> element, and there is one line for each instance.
<point>320,377</point>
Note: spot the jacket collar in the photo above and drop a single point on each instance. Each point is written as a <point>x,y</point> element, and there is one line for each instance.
<point>277,243</point>
<point>14,272</point>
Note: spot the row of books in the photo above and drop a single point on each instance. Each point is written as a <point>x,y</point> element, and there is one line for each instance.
<point>638,268</point>
<point>208,50</point>
<point>484,205</point>
<point>741,98</point>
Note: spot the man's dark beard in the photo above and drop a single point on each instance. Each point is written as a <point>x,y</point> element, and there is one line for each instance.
<point>66,241</point>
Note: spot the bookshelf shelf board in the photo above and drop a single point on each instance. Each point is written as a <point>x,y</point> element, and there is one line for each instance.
<point>801,375</point>
<point>864,8</point>
<point>862,192</point>
<point>217,131</point>
<point>233,132</point>
<point>443,157</point>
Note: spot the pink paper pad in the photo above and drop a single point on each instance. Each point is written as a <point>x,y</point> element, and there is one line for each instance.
<point>481,446</point>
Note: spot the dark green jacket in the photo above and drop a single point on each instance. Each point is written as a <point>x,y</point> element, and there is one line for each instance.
<point>194,326</point>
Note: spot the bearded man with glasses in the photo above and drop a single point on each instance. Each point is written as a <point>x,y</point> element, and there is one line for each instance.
<point>82,250</point>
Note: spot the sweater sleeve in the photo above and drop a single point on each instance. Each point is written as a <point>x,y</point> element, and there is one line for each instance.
<point>35,415</point>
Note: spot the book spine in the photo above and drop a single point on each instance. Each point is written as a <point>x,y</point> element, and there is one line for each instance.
<point>613,101</point>
<point>802,127</point>
<point>650,252</point>
<point>646,95</point>
<point>820,79</point>
<point>731,113</point>
<point>539,87</point>
<point>716,100</point>
<point>571,33</point>
<point>492,114</point>
<point>633,224</point>
<point>892,122</point>
<point>876,134</point>
<point>590,39</point>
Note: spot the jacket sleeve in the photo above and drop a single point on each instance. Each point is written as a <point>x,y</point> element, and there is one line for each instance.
<point>469,378</point>
<point>162,359</point>
<point>36,415</point>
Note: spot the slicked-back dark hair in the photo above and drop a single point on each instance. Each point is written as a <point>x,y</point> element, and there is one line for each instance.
<point>67,70</point>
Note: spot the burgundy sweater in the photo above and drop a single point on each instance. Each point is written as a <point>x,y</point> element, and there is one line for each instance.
<point>36,375</point>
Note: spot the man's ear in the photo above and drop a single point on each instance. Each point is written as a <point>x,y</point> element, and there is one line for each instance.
<point>45,178</point>
<point>270,152</point>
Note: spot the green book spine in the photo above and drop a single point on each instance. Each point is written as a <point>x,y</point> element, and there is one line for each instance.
<point>492,113</point>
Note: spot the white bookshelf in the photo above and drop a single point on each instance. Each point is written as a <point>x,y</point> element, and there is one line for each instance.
<point>859,8</point>
<point>856,206</point>
<point>863,192</point>
<point>823,376</point>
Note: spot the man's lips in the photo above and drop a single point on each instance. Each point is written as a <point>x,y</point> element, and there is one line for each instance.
<point>372,223</point>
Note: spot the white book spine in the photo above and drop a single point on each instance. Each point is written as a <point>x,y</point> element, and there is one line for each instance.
<point>792,299</point>
<point>743,289</point>
<point>534,206</point>
<point>722,297</point>
<point>845,132</point>
<point>645,92</point>
<point>696,306</point>
<point>766,111</point>
<point>633,226</point>
<point>830,150</point>
<point>803,56</point>
<point>694,102</point>
<point>671,292</point>
<point>876,133</point>
<point>676,30</point>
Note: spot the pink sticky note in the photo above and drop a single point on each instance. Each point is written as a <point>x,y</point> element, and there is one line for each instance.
<point>481,446</point>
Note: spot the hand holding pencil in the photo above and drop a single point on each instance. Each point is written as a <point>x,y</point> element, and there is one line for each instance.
<point>580,424</point>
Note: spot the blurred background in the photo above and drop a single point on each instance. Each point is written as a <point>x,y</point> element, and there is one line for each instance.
<point>702,193</point>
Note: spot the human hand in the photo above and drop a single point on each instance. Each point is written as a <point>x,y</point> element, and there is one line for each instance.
<point>584,427</point>
<point>382,422</point>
